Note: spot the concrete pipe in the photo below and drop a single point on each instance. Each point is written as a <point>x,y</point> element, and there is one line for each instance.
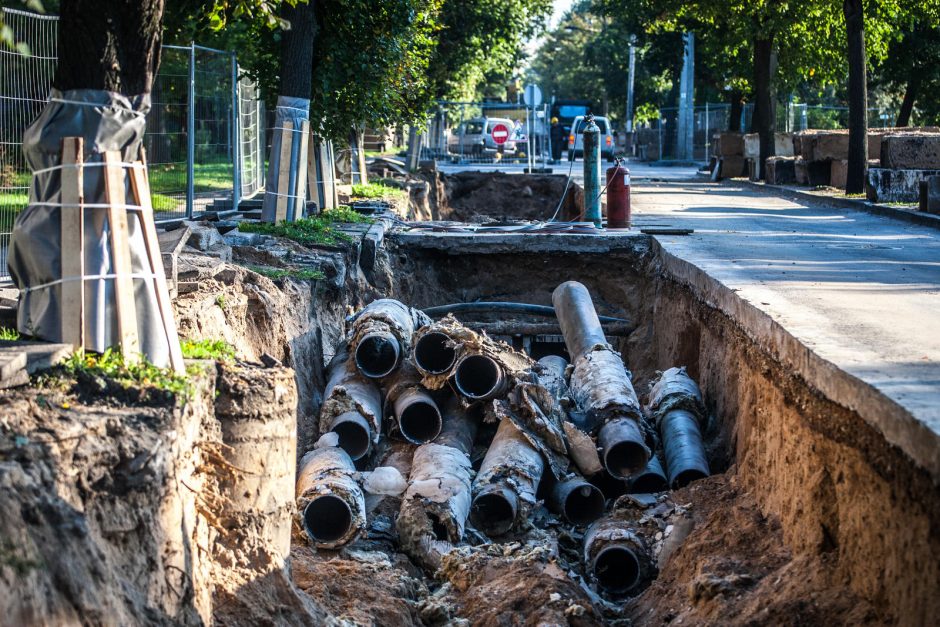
<point>352,406</point>
<point>330,503</point>
<point>678,410</point>
<point>381,335</point>
<point>435,353</point>
<point>504,489</point>
<point>479,377</point>
<point>616,558</point>
<point>650,480</point>
<point>578,501</point>
<point>600,384</point>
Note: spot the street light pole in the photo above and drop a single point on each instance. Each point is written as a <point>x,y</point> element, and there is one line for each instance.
<point>632,73</point>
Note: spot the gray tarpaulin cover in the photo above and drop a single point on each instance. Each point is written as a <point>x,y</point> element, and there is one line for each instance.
<point>295,111</point>
<point>106,121</point>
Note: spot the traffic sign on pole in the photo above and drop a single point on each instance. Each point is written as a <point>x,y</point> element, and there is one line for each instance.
<point>500,133</point>
<point>532,95</point>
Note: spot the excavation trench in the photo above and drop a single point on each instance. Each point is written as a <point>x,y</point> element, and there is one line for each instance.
<point>803,501</point>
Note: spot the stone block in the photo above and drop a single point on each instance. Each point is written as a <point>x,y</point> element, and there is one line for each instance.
<point>931,200</point>
<point>751,146</point>
<point>895,185</point>
<point>830,145</point>
<point>911,151</point>
<point>783,144</point>
<point>838,172</point>
<point>729,145</point>
<point>801,171</point>
<point>732,166</point>
<point>818,173</point>
<point>780,170</point>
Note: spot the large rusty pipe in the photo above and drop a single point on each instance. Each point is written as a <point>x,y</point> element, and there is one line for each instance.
<point>677,407</point>
<point>504,489</point>
<point>435,353</point>
<point>479,377</point>
<point>650,480</point>
<point>578,501</point>
<point>600,384</point>
<point>419,419</point>
<point>330,503</point>
<point>352,406</point>
<point>616,557</point>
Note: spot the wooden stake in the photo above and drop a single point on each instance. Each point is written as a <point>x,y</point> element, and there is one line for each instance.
<point>72,261</point>
<point>124,304</point>
<point>300,203</point>
<point>141,188</point>
<point>283,172</point>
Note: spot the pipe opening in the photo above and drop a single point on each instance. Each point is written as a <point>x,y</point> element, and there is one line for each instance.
<point>617,568</point>
<point>377,355</point>
<point>354,434</point>
<point>622,459</point>
<point>584,504</point>
<point>420,422</point>
<point>648,483</point>
<point>327,518</point>
<point>478,377</point>
<point>438,528</point>
<point>686,477</point>
<point>494,512</point>
<point>433,355</point>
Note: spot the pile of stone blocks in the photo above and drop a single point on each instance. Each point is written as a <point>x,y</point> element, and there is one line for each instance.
<point>907,162</point>
<point>783,147</point>
<point>728,160</point>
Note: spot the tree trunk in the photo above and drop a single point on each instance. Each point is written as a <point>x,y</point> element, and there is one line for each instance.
<point>297,49</point>
<point>858,97</point>
<point>764,120</point>
<point>112,45</point>
<point>736,98</point>
<point>910,95</point>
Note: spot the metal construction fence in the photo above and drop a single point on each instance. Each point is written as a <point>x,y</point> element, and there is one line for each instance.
<point>205,130</point>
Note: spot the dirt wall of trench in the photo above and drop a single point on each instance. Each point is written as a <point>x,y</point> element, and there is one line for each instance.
<point>853,510</point>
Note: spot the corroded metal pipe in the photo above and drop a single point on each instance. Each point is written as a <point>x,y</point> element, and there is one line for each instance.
<point>578,501</point>
<point>504,489</point>
<point>435,353</point>
<point>678,410</point>
<point>616,557</point>
<point>650,480</point>
<point>552,375</point>
<point>381,335</point>
<point>436,504</point>
<point>352,406</point>
<point>330,503</point>
<point>600,384</point>
<point>413,409</point>
<point>479,377</point>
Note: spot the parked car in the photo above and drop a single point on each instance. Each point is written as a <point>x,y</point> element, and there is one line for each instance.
<point>475,137</point>
<point>576,138</point>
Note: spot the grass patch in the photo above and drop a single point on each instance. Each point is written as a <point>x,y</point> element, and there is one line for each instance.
<point>301,274</point>
<point>113,368</point>
<point>9,334</point>
<point>316,230</point>
<point>856,195</point>
<point>219,350</point>
<point>375,190</point>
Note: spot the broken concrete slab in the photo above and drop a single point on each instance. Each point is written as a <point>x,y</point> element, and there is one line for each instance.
<point>911,151</point>
<point>783,145</point>
<point>930,194</point>
<point>895,185</point>
<point>838,173</point>
<point>780,170</point>
<point>732,166</point>
<point>729,144</point>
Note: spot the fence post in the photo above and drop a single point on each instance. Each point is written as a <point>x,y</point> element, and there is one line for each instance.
<point>191,133</point>
<point>707,133</point>
<point>236,137</point>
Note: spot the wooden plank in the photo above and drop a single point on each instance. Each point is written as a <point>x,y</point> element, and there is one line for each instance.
<point>300,203</point>
<point>283,172</point>
<point>39,355</point>
<point>141,188</point>
<point>124,304</point>
<point>72,256</point>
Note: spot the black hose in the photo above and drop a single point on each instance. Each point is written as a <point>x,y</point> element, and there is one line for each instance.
<point>498,307</point>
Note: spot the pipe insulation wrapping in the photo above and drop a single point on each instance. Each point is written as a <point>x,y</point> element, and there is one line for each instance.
<point>677,408</point>
<point>381,336</point>
<point>105,121</point>
<point>436,504</point>
<point>599,383</point>
<point>352,406</point>
<point>330,504</point>
<point>504,489</point>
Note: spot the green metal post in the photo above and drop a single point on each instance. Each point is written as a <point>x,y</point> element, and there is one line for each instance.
<point>592,172</point>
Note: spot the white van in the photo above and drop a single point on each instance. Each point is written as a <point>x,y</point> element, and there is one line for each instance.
<point>576,138</point>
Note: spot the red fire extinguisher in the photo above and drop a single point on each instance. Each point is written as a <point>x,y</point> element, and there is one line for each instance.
<point>618,197</point>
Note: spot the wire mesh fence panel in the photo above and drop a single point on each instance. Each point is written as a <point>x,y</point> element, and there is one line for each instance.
<point>25,81</point>
<point>166,134</point>
<point>251,138</point>
<point>487,133</point>
<point>213,117</point>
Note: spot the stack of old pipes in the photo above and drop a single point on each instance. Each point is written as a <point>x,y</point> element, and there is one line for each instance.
<point>441,390</point>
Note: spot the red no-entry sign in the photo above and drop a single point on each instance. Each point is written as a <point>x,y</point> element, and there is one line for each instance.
<point>500,134</point>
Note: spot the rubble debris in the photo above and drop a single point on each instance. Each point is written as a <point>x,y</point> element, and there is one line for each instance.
<point>330,503</point>
<point>352,406</point>
<point>381,335</point>
<point>675,403</point>
<point>600,384</point>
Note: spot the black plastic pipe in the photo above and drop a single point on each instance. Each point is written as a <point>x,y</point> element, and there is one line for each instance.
<point>650,480</point>
<point>578,501</point>
<point>500,307</point>
<point>676,406</point>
